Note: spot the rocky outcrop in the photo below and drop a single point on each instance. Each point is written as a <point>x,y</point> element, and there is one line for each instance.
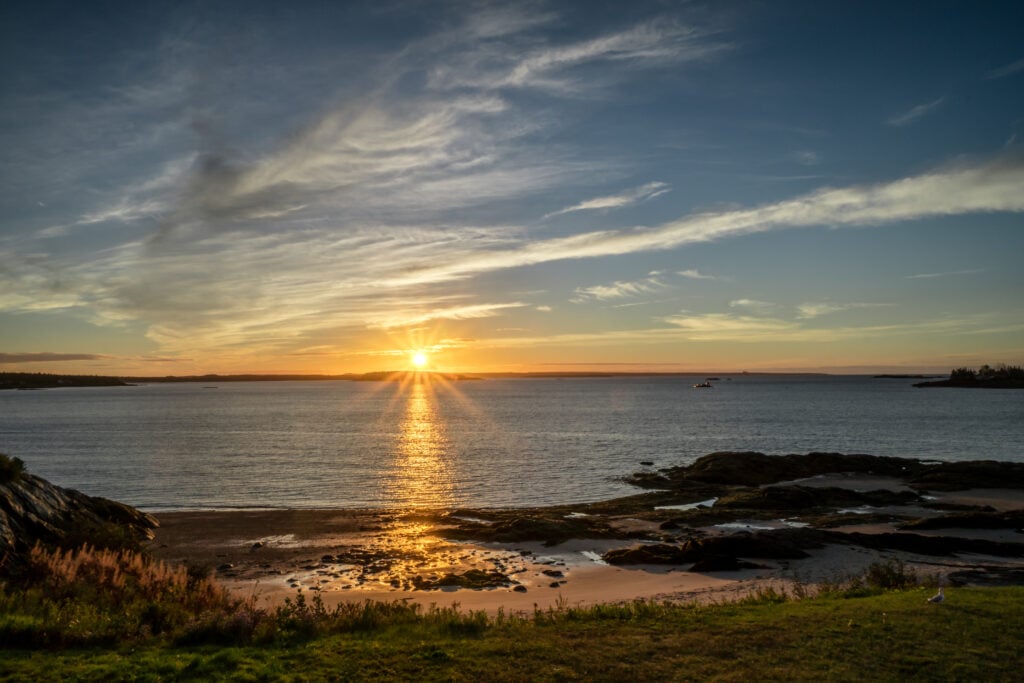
<point>721,551</point>
<point>32,510</point>
<point>731,469</point>
<point>1013,519</point>
<point>788,498</point>
<point>972,474</point>
<point>787,544</point>
<point>518,527</point>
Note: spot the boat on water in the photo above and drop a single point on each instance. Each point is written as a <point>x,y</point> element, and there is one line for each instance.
<point>703,385</point>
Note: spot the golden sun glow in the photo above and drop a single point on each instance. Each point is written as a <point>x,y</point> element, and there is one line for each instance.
<point>419,359</point>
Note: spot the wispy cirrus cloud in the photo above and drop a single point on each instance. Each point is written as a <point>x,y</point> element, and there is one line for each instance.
<point>233,289</point>
<point>464,312</point>
<point>694,274</point>
<point>815,310</point>
<point>618,290</point>
<point>45,357</point>
<point>550,67</point>
<point>946,273</point>
<point>725,327</point>
<point>914,113</point>
<point>753,305</point>
<point>617,201</point>
<point>1006,70</point>
<point>985,188</point>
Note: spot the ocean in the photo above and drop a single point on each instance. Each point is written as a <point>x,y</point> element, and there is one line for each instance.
<point>481,443</point>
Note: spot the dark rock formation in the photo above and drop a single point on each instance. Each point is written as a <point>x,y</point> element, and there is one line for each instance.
<point>657,553</point>
<point>792,544</point>
<point>521,527</point>
<point>474,578</point>
<point>723,563</point>
<point>973,474</point>
<point>1014,519</point>
<point>731,469</point>
<point>781,544</point>
<point>936,546</point>
<point>32,510</point>
<point>749,468</point>
<point>778,498</point>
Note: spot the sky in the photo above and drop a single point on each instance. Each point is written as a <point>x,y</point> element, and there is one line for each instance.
<point>330,187</point>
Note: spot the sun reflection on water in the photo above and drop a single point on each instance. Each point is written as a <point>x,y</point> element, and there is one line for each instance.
<point>422,471</point>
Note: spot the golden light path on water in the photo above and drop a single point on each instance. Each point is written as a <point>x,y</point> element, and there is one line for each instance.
<point>397,549</point>
<point>421,484</point>
<point>422,472</point>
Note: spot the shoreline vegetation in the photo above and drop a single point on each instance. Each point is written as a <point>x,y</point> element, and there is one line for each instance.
<point>822,562</point>
<point>985,377</point>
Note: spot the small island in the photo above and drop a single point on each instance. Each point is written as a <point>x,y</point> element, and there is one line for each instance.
<point>986,377</point>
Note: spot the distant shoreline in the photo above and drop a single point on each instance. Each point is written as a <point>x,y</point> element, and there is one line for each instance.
<point>27,380</point>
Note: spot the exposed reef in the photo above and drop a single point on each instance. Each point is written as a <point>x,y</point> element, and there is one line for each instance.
<point>757,469</point>
<point>727,509</point>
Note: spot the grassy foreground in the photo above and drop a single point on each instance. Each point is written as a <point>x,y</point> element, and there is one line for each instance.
<point>977,634</point>
<point>111,615</point>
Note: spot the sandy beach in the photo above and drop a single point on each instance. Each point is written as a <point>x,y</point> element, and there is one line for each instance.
<point>355,555</point>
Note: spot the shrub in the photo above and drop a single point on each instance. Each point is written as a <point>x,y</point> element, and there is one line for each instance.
<point>890,575</point>
<point>11,469</point>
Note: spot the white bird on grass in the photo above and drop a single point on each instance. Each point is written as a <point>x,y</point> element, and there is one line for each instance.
<point>938,597</point>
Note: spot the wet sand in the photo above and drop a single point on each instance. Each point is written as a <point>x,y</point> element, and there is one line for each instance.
<point>346,555</point>
<point>355,555</point>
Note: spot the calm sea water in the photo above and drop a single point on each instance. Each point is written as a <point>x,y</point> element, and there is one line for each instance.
<point>515,442</point>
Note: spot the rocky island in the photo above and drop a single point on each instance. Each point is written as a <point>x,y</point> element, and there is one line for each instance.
<point>999,377</point>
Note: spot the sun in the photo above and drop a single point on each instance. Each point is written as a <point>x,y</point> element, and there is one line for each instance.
<point>419,359</point>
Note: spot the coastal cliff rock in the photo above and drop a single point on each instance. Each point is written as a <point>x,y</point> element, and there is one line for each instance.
<point>32,510</point>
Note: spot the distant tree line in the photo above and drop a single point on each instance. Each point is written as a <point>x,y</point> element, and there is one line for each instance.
<point>1001,376</point>
<point>42,380</point>
<point>987,373</point>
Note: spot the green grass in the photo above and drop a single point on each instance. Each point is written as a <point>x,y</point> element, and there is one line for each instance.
<point>103,615</point>
<point>977,634</point>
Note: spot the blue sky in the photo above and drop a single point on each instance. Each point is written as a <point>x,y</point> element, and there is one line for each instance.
<point>326,187</point>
